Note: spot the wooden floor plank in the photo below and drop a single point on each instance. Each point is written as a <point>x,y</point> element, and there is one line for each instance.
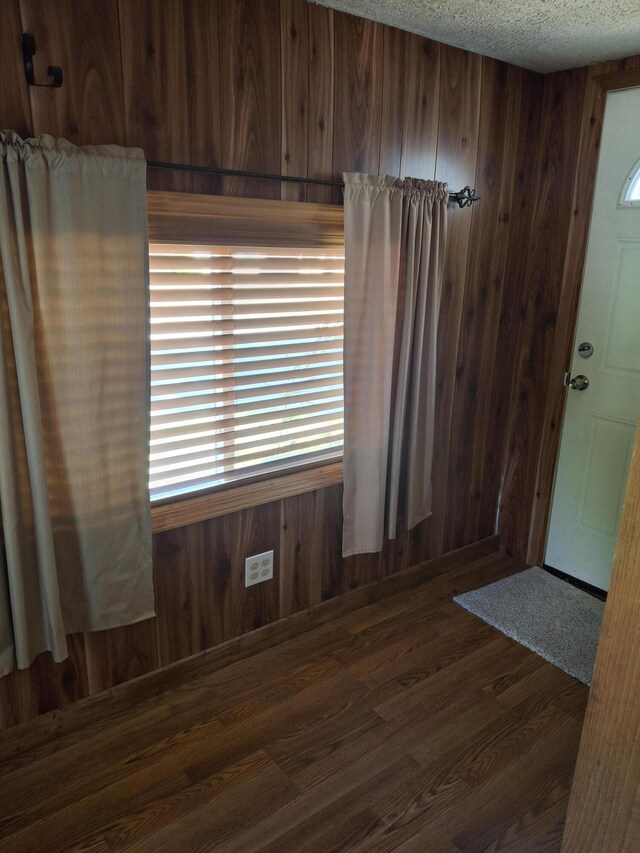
<point>549,765</point>
<point>293,717</point>
<point>416,659</point>
<point>546,685</point>
<point>311,823</point>
<point>446,809</point>
<point>188,735</point>
<point>214,821</point>
<point>481,665</point>
<point>130,810</point>
<point>539,828</point>
<point>409,725</point>
<point>323,831</point>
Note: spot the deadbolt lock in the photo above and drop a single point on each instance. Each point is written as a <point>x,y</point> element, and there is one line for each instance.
<point>585,349</point>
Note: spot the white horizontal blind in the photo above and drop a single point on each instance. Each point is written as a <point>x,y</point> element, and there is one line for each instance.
<point>246,362</point>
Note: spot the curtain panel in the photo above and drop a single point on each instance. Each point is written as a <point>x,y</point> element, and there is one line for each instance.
<point>74,394</point>
<point>395,238</point>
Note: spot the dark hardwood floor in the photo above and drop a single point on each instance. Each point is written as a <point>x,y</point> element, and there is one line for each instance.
<point>408,725</point>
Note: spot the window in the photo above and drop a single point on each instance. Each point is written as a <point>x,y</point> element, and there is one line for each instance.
<point>246,360</point>
<point>630,195</point>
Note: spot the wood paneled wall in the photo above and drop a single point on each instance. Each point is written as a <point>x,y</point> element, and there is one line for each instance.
<point>296,88</point>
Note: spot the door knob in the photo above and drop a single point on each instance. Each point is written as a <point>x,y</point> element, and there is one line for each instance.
<point>579,382</point>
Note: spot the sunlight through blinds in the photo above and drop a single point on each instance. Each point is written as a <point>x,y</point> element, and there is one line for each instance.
<point>246,362</point>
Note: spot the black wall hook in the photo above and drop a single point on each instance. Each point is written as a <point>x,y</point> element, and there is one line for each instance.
<point>28,50</point>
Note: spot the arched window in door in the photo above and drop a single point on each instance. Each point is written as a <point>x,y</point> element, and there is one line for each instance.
<point>630,195</point>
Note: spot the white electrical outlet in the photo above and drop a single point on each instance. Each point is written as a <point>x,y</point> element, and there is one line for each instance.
<point>258,568</point>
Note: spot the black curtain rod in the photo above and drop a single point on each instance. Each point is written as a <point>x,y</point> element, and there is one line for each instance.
<point>464,197</point>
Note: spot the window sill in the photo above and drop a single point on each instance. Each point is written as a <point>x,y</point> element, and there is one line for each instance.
<point>243,496</point>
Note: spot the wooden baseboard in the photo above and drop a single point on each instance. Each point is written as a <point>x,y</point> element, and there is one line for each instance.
<point>105,704</point>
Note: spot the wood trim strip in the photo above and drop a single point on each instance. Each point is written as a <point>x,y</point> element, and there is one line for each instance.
<point>238,497</point>
<point>193,218</point>
<point>575,254</point>
<point>101,706</point>
<point>603,807</point>
<point>618,79</point>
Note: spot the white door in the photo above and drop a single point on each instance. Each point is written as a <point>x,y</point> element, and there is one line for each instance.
<point>600,420</point>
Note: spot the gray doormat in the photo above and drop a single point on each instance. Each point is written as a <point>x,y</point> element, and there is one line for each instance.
<point>544,613</point>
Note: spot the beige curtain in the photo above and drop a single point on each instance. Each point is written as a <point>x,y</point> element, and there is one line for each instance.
<point>395,235</point>
<point>74,395</point>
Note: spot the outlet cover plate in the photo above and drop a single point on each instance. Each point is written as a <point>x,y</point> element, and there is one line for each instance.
<point>258,568</point>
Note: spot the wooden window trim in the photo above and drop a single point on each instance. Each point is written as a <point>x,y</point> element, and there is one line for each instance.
<point>191,218</point>
<point>239,496</point>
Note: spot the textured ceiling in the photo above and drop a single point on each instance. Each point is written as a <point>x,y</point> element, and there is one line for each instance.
<point>544,35</point>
